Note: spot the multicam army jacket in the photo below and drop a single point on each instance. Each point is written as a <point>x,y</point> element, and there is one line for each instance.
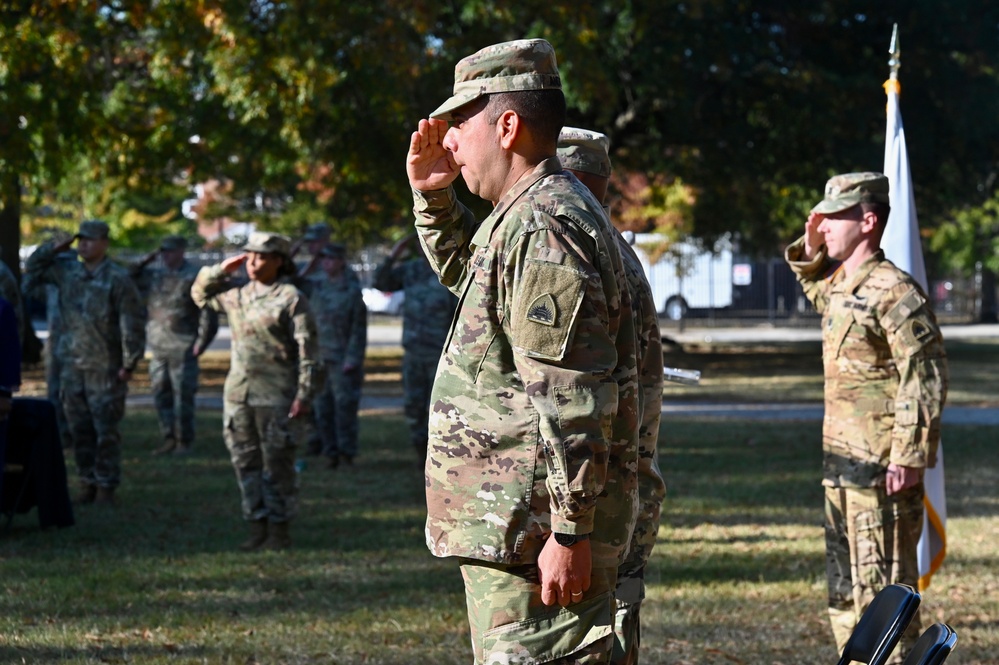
<point>103,319</point>
<point>651,486</point>
<point>428,308</point>
<point>885,368</point>
<point>341,317</point>
<point>533,423</point>
<point>175,322</point>
<point>274,356</point>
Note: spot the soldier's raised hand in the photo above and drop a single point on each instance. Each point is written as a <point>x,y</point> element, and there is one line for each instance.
<point>233,263</point>
<point>813,237</point>
<point>428,165</point>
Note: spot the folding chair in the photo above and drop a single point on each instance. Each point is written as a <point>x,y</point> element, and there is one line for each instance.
<point>881,626</point>
<point>933,646</point>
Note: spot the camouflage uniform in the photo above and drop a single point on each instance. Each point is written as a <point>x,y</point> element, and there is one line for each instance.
<point>533,423</point>
<point>342,319</point>
<point>885,386</point>
<point>53,361</point>
<point>103,332</point>
<point>587,152</point>
<point>273,364</point>
<point>175,325</point>
<point>427,312</point>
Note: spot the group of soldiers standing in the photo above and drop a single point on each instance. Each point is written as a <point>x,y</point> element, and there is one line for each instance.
<point>300,337</point>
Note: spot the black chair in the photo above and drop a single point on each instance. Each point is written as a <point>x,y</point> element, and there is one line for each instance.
<point>881,626</point>
<point>933,646</point>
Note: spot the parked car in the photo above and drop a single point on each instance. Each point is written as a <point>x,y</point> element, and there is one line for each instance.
<point>383,302</point>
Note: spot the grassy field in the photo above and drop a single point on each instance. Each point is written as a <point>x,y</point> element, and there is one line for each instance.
<point>738,576</point>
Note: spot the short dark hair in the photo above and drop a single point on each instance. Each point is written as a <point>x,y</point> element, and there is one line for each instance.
<point>881,210</point>
<point>543,111</point>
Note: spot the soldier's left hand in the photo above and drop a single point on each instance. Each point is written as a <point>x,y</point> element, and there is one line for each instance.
<point>124,375</point>
<point>564,572</point>
<point>901,478</point>
<point>298,408</point>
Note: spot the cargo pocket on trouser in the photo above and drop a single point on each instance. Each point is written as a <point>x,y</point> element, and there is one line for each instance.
<point>546,638</point>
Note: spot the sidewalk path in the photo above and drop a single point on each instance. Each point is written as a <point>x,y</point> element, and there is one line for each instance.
<point>952,415</point>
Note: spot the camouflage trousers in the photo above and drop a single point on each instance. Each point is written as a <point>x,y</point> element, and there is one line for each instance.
<point>262,451</point>
<point>418,373</point>
<point>510,625</point>
<point>94,403</point>
<point>335,409</point>
<point>871,541</point>
<point>628,598</point>
<point>53,381</point>
<point>174,380</point>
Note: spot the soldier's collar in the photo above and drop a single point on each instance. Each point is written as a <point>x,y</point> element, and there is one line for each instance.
<point>547,167</point>
<point>864,271</point>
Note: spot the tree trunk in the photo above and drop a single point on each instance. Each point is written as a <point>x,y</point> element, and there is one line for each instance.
<point>10,221</point>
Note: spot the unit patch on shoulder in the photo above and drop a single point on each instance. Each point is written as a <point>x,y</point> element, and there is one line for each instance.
<point>543,310</point>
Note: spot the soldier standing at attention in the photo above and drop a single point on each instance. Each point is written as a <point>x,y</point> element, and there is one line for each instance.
<point>271,380</point>
<point>885,386</point>
<point>342,319</point>
<point>530,481</point>
<point>586,155</point>
<point>102,341</point>
<point>178,332</point>
<point>426,319</point>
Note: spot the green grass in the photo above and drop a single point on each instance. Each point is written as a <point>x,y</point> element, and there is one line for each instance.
<point>738,576</point>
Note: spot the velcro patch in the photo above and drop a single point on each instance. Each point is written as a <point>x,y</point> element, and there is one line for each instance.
<point>902,310</point>
<point>544,313</point>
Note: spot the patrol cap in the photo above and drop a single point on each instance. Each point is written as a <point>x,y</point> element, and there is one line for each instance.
<point>524,64</point>
<point>172,243</point>
<point>334,250</point>
<point>848,189</point>
<point>319,231</point>
<point>585,151</point>
<point>93,229</point>
<point>268,243</point>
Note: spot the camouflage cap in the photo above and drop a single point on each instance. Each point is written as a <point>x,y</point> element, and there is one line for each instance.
<point>334,250</point>
<point>173,243</point>
<point>848,189</point>
<point>268,243</point>
<point>524,64</point>
<point>93,229</point>
<point>319,231</point>
<point>585,151</point>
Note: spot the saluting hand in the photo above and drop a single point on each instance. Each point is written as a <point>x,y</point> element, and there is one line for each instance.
<point>233,263</point>
<point>428,165</point>
<point>813,238</point>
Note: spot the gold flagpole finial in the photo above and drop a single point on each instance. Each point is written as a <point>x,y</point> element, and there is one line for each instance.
<point>895,62</point>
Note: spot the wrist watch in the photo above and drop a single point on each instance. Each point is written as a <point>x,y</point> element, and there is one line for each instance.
<point>569,539</point>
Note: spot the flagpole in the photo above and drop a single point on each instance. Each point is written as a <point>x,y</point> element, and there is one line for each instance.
<point>902,246</point>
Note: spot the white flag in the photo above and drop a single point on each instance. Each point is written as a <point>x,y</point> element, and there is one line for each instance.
<point>902,247</point>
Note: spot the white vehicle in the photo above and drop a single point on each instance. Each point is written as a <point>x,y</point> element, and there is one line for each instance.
<point>687,276</point>
<point>383,302</point>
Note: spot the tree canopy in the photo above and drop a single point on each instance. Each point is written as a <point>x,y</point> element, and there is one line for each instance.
<point>724,115</point>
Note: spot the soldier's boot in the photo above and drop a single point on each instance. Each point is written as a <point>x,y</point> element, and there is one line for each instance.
<point>258,535</point>
<point>169,445</point>
<point>87,493</point>
<point>183,448</point>
<point>278,538</point>
<point>105,496</point>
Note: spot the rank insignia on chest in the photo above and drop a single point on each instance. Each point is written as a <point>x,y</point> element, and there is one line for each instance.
<point>543,310</point>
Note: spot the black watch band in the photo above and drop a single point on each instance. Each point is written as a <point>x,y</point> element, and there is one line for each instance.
<point>569,539</point>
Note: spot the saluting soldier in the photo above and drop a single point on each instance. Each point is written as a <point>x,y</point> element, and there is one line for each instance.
<point>102,342</point>
<point>885,386</point>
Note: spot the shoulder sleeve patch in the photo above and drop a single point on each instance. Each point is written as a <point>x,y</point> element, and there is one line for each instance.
<point>545,309</point>
<point>900,312</point>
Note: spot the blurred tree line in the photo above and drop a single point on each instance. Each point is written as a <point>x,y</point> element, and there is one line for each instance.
<point>724,115</point>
